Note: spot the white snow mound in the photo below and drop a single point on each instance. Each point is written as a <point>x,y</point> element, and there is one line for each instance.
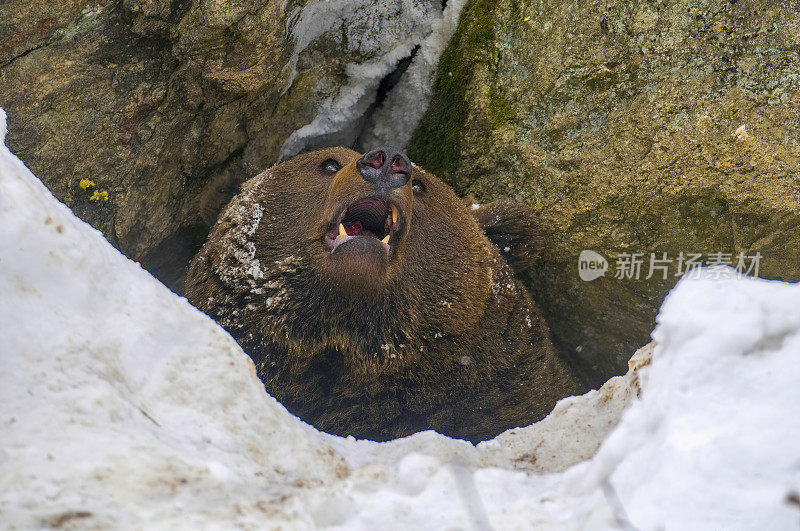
<point>124,407</point>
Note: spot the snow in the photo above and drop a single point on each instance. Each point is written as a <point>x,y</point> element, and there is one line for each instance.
<point>378,35</point>
<point>732,429</point>
<point>395,120</point>
<point>123,407</point>
<point>240,250</point>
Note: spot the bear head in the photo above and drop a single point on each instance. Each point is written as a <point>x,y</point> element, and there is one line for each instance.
<point>369,295</point>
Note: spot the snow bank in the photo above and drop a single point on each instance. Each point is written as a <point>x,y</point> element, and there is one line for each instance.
<point>120,403</point>
<point>715,443</point>
<point>124,407</point>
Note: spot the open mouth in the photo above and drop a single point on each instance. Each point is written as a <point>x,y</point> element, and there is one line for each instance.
<point>373,217</point>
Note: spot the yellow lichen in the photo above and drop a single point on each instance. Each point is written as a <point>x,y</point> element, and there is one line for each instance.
<point>98,195</point>
<point>86,183</point>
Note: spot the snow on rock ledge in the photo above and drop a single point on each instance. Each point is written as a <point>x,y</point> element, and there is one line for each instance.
<point>123,407</point>
<point>378,36</point>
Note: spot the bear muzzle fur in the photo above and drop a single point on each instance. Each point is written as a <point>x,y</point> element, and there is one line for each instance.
<point>369,206</point>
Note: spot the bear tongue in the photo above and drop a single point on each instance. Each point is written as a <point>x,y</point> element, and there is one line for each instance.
<point>353,228</point>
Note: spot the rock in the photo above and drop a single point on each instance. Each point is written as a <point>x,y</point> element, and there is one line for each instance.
<point>129,111</point>
<point>632,127</point>
<point>666,127</point>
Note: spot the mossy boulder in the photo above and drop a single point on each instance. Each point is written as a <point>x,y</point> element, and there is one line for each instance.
<point>143,102</point>
<point>631,127</point>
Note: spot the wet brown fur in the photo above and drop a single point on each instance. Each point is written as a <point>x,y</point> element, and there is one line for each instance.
<point>441,336</point>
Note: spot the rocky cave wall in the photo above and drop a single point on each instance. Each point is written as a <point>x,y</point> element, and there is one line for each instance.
<point>630,126</point>
<point>143,115</point>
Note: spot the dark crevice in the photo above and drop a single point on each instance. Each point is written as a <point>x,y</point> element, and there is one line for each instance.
<point>391,79</point>
<point>23,54</point>
<point>169,260</point>
<point>385,86</point>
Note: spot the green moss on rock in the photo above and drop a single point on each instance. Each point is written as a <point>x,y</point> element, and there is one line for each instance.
<point>630,127</point>
<point>437,138</point>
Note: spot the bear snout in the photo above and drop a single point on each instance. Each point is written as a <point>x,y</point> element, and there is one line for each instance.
<point>385,168</point>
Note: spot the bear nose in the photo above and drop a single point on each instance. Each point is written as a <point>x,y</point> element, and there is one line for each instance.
<point>385,167</point>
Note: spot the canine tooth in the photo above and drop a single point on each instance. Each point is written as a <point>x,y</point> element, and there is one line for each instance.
<point>394,212</point>
<point>386,239</point>
<point>341,230</point>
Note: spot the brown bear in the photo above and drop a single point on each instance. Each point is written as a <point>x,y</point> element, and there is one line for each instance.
<point>373,302</point>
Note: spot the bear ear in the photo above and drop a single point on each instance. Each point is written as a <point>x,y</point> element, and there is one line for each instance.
<point>513,228</point>
<point>219,191</point>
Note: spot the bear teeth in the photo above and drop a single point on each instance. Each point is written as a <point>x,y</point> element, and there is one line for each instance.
<point>370,217</point>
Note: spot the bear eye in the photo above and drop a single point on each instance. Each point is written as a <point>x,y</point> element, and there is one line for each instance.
<point>417,186</point>
<point>331,166</point>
